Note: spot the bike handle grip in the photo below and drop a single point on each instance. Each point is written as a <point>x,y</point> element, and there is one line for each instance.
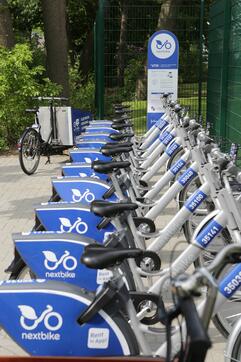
<point>199,341</point>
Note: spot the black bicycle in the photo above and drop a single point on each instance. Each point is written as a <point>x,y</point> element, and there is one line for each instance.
<point>31,144</point>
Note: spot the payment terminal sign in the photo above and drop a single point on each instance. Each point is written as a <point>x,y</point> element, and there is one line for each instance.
<point>163,50</point>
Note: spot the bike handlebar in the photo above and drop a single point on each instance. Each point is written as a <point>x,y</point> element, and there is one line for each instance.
<point>189,286</point>
<point>199,341</point>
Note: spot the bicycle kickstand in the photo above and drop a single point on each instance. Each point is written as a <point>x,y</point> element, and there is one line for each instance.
<point>48,160</point>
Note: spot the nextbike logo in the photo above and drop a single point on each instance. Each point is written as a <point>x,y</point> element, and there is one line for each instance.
<point>163,46</point>
<point>89,160</point>
<point>49,319</point>
<point>77,196</point>
<point>51,262</point>
<point>79,226</point>
<point>76,123</point>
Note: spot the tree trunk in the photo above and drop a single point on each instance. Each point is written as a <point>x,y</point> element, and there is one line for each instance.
<point>6,26</point>
<point>54,18</point>
<point>122,46</point>
<point>167,16</point>
<point>86,59</point>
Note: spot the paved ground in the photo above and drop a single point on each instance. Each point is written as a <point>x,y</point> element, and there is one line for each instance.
<point>18,194</point>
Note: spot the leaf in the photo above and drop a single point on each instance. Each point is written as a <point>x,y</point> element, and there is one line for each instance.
<point>28,312</point>
<point>65,222</point>
<point>82,174</point>
<point>50,256</point>
<point>76,192</point>
<point>87,159</point>
<point>159,42</point>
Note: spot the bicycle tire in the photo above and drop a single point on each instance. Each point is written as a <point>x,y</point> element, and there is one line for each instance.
<point>175,157</point>
<point>225,326</point>
<point>190,225</point>
<point>29,151</point>
<point>235,354</point>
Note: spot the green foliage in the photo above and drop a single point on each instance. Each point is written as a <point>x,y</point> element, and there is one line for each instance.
<point>134,69</point>
<point>82,91</point>
<point>81,17</point>
<point>19,81</point>
<point>26,16</point>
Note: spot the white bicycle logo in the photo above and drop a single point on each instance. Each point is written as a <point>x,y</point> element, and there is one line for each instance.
<point>89,160</point>
<point>66,227</point>
<point>87,195</point>
<point>68,261</point>
<point>166,44</point>
<point>52,320</point>
<point>93,175</point>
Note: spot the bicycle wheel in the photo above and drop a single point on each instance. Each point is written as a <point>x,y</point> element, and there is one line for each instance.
<point>174,158</point>
<point>235,353</point>
<point>229,312</point>
<point>29,152</point>
<point>193,221</point>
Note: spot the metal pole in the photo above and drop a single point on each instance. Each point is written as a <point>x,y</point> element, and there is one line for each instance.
<point>224,71</point>
<point>99,61</point>
<point>95,65</point>
<point>200,58</point>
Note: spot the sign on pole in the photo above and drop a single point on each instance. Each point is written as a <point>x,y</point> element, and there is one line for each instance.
<point>162,72</point>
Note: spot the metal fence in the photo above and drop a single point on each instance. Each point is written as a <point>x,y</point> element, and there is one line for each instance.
<point>224,73</point>
<point>127,27</point>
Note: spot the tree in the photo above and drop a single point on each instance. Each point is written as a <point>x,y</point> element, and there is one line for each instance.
<point>54,19</point>
<point>167,16</point>
<point>80,23</point>
<point>6,27</point>
<point>122,46</point>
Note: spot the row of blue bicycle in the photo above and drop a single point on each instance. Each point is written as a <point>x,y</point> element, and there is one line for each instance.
<point>83,281</point>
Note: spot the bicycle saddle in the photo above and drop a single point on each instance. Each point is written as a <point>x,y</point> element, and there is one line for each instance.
<point>100,257</point>
<point>119,126</point>
<point>115,151</point>
<point>118,144</point>
<point>120,136</point>
<point>111,209</point>
<point>107,167</point>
